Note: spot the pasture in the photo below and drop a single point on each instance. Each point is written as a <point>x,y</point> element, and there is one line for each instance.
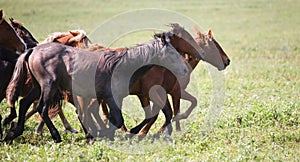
<point>260,118</point>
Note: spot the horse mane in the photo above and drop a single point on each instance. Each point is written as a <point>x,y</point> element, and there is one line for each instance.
<point>78,36</point>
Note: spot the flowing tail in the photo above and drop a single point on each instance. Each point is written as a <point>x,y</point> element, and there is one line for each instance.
<point>19,78</point>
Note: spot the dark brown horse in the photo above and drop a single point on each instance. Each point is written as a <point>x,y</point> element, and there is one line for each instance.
<point>76,38</point>
<point>75,70</point>
<point>215,55</point>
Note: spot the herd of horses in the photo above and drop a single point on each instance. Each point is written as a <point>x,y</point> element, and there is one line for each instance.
<point>67,67</point>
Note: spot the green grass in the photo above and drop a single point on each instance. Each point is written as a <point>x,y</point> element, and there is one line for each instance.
<point>262,84</point>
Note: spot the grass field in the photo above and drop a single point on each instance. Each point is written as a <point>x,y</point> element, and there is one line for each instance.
<point>262,85</point>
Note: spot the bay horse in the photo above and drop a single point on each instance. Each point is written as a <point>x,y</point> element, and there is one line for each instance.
<point>215,56</point>
<point>76,70</point>
<point>9,39</point>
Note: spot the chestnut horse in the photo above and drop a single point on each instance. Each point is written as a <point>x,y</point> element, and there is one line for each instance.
<point>215,55</point>
<point>75,70</point>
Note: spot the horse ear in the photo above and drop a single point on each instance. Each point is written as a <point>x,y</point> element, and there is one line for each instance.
<point>2,15</point>
<point>210,34</point>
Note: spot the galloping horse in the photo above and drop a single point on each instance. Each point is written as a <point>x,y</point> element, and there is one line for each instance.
<point>181,40</point>
<point>75,70</point>
<point>215,55</point>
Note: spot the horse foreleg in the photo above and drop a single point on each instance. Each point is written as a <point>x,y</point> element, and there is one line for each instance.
<point>186,96</point>
<point>168,117</point>
<point>116,119</point>
<point>159,97</point>
<point>145,102</point>
<point>176,108</point>
<point>85,117</point>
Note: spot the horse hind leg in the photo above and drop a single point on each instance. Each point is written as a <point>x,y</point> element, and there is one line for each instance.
<point>65,122</point>
<point>47,94</point>
<point>186,96</point>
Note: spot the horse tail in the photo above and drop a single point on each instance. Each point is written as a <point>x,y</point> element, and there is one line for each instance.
<point>19,78</point>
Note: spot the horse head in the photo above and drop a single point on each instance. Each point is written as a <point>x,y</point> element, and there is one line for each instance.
<point>184,42</point>
<point>215,54</point>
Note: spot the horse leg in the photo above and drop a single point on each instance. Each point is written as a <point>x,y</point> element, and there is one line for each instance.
<point>159,98</point>
<point>78,103</point>
<point>176,107</point>
<point>85,117</point>
<point>33,111</point>
<point>94,109</point>
<point>106,116</point>
<point>65,122</point>
<point>48,92</point>
<point>145,102</point>
<point>105,111</point>
<point>39,128</point>
<point>24,106</point>
<point>11,116</point>
<point>168,117</point>
<point>116,119</point>
<point>186,96</point>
